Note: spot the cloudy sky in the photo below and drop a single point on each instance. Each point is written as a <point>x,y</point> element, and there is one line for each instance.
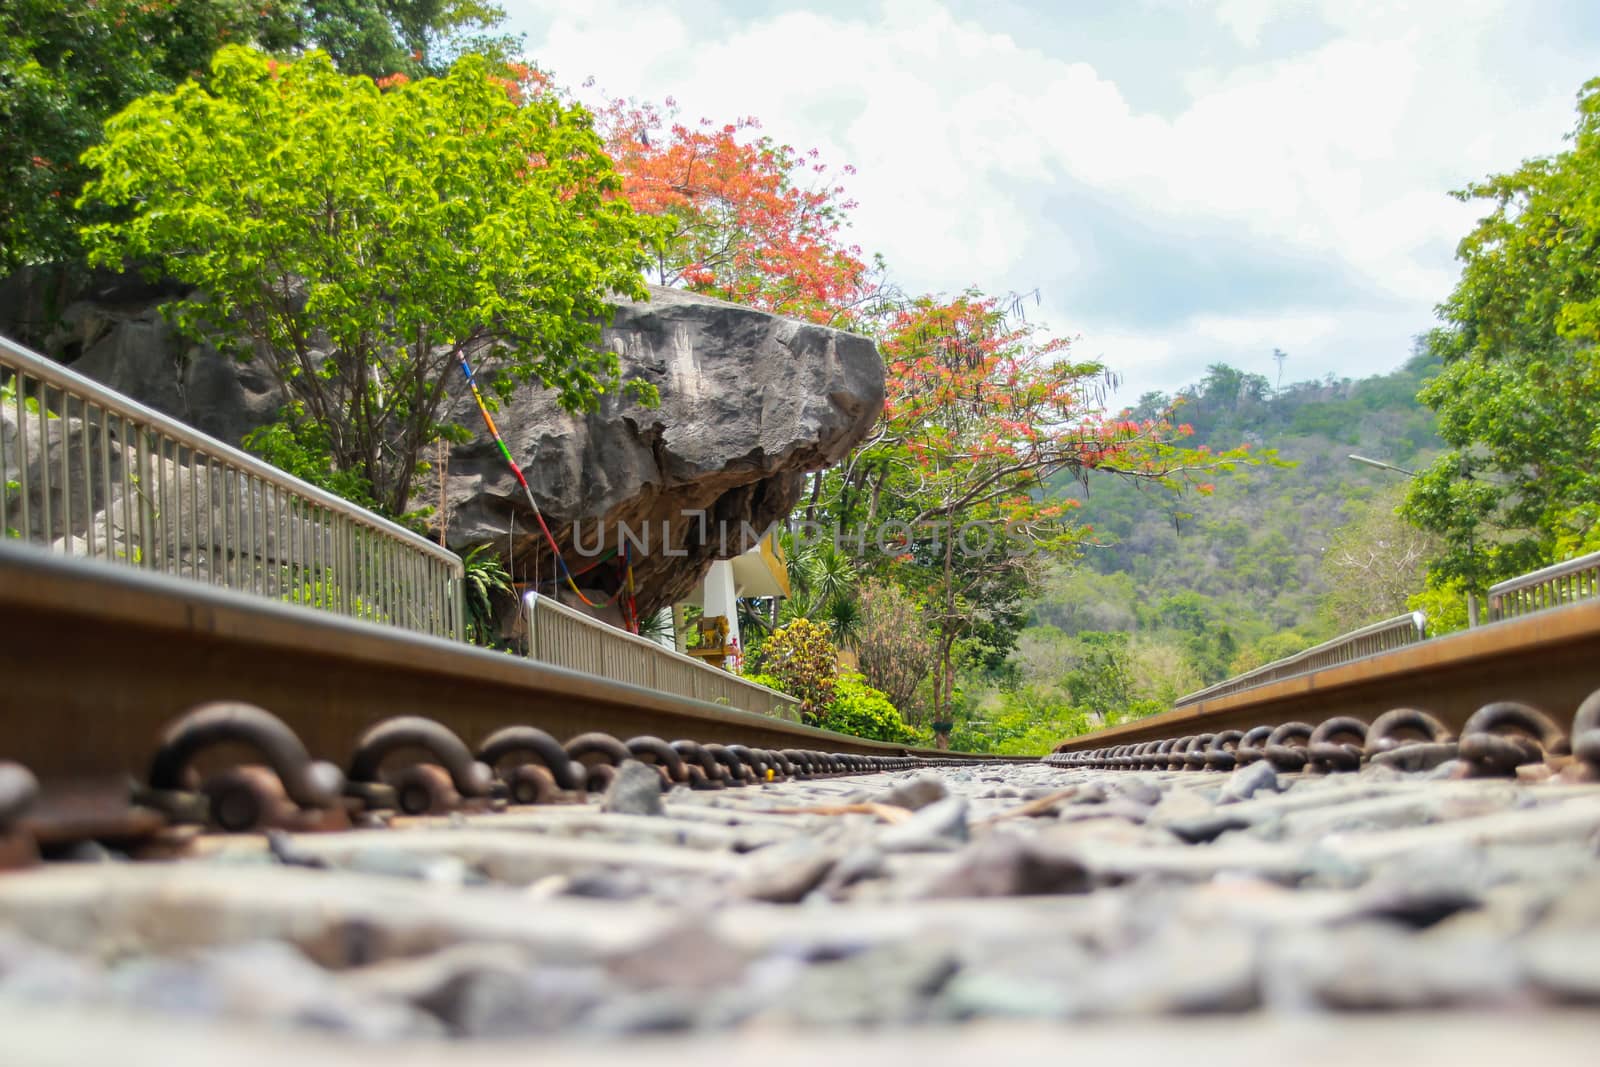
<point>1184,181</point>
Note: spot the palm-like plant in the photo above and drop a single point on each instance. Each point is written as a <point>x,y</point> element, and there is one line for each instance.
<point>483,576</point>
<point>822,583</point>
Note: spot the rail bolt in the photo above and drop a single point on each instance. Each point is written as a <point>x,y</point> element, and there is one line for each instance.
<point>523,742</point>
<point>1252,746</point>
<point>1220,754</point>
<point>1281,752</point>
<point>1586,735</point>
<point>1409,739</point>
<point>467,777</point>
<point>1502,736</point>
<point>1328,753</point>
<point>310,784</point>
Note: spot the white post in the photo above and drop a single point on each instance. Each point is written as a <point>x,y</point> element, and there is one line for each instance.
<point>680,639</point>
<point>722,597</point>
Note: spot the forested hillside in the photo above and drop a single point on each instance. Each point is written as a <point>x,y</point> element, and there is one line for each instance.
<point>1170,595</point>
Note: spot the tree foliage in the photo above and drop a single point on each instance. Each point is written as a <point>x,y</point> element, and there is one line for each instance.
<point>748,219</point>
<point>804,663</point>
<point>364,239</point>
<point>895,649</point>
<point>862,711</point>
<point>1375,563</point>
<point>1520,484</point>
<point>983,412</point>
<point>65,68</point>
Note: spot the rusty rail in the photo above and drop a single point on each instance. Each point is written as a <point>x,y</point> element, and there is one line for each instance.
<point>97,660</point>
<point>1550,659</point>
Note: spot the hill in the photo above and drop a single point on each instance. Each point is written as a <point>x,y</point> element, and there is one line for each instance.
<point>1175,595</point>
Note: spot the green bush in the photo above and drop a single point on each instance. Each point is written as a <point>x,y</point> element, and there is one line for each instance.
<point>805,665</point>
<point>862,711</point>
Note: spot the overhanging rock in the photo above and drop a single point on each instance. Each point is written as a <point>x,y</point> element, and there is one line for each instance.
<point>749,403</point>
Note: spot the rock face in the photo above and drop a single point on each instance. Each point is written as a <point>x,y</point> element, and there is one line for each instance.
<point>749,403</point>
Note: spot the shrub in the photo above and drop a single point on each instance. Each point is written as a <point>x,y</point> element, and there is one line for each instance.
<point>804,664</point>
<point>862,711</point>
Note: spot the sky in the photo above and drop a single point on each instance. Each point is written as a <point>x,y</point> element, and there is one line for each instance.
<point>1182,181</point>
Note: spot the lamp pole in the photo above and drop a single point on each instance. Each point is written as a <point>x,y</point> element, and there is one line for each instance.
<point>1472,596</point>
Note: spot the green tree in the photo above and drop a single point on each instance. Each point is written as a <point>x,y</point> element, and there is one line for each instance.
<point>862,711</point>
<point>1520,483</point>
<point>1374,564</point>
<point>363,240</point>
<point>895,648</point>
<point>65,68</point>
<point>484,578</point>
<point>801,661</point>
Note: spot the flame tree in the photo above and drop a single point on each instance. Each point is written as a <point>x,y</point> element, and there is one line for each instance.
<point>749,220</point>
<point>986,422</point>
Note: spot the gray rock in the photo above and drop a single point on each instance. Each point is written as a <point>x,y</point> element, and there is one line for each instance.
<point>30,971</point>
<point>261,981</point>
<point>1179,971</point>
<point>438,868</point>
<point>1372,966</point>
<point>655,1011</point>
<point>472,990</point>
<point>1245,782</point>
<point>690,955</point>
<point>1202,828</point>
<point>1138,788</point>
<point>1007,865</point>
<point>784,874</point>
<point>636,790</point>
<point>1445,771</point>
<point>1033,980</point>
<point>918,793</point>
<point>880,986</point>
<point>939,827</point>
<point>1565,965</point>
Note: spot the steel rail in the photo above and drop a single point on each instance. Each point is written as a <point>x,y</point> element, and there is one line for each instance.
<point>96,659</point>
<point>1550,659</point>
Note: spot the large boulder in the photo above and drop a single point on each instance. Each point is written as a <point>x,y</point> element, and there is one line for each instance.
<point>750,402</point>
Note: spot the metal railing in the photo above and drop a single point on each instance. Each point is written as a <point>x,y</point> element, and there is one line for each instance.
<point>86,471</point>
<point>1378,637</point>
<point>565,637</point>
<point>1550,587</point>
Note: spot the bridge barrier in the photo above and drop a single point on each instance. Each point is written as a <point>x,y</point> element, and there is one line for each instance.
<point>1550,587</point>
<point>86,471</point>
<point>1369,640</point>
<point>565,637</point>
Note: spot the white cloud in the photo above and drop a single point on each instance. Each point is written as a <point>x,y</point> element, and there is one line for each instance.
<point>964,136</point>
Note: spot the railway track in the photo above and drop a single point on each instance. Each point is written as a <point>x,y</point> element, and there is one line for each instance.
<point>1317,869</point>
<point>233,708</point>
<point>1516,693</point>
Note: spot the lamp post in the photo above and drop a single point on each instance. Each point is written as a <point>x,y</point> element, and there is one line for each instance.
<point>1472,596</point>
<point>1378,463</point>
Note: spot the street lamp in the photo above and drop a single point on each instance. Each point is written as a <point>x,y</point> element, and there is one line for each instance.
<point>1472,597</point>
<point>1378,463</point>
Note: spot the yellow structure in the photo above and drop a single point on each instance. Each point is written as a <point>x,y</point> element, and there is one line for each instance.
<point>760,572</point>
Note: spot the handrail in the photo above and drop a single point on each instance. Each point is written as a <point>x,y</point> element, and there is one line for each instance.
<point>150,491</point>
<point>1548,587</point>
<point>1368,640</point>
<point>565,637</point>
